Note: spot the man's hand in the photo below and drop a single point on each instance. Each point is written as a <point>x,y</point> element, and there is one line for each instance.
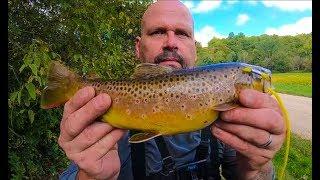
<point>247,128</point>
<point>91,145</point>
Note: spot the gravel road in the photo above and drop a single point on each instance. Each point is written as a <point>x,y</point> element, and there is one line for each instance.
<point>300,112</point>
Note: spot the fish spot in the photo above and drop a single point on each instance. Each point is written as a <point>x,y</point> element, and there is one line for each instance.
<point>144,87</point>
<point>116,100</point>
<point>143,116</point>
<point>121,88</point>
<point>188,117</point>
<point>128,111</point>
<point>205,122</point>
<point>137,101</point>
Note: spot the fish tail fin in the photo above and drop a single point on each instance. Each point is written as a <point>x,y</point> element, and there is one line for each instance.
<point>61,86</point>
<point>288,132</point>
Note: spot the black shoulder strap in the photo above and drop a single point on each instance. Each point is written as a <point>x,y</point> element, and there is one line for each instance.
<point>167,160</point>
<point>138,160</point>
<point>211,168</point>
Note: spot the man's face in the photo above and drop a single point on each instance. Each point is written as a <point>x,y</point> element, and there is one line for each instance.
<point>167,36</point>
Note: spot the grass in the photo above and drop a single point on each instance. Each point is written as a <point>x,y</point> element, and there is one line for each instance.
<point>293,83</point>
<point>299,163</point>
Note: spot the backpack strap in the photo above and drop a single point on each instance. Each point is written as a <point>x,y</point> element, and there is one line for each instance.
<point>138,160</point>
<point>167,160</point>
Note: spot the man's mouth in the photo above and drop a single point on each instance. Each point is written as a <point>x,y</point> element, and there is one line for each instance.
<point>170,58</point>
<point>172,62</point>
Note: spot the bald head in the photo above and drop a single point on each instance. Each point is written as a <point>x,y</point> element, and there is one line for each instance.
<point>167,36</point>
<point>173,7</point>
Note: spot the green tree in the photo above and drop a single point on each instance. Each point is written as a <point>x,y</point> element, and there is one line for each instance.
<point>89,36</point>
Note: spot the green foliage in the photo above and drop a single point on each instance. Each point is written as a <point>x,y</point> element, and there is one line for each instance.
<point>89,36</point>
<point>278,53</point>
<point>299,163</point>
<point>294,83</point>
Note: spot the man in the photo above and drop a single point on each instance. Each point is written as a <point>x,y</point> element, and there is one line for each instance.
<point>255,130</point>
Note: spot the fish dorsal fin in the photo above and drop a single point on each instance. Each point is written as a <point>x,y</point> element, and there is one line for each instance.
<point>225,106</point>
<point>142,137</point>
<point>146,70</point>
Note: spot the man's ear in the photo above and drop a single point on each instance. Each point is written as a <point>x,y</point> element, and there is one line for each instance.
<point>138,44</point>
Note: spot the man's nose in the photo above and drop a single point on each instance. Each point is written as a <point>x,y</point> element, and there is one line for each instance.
<point>171,41</point>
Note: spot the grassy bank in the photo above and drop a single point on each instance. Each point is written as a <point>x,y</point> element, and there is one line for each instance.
<point>293,83</point>
<point>299,163</point>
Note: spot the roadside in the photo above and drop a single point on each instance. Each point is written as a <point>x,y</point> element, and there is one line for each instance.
<point>300,112</point>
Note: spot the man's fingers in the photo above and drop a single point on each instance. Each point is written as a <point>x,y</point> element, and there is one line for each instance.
<point>252,135</point>
<point>77,121</point>
<point>265,118</point>
<point>81,97</point>
<point>247,133</point>
<point>258,155</point>
<point>89,136</point>
<point>254,99</point>
<point>105,144</point>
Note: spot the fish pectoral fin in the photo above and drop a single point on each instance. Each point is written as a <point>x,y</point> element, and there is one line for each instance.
<point>142,137</point>
<point>225,106</point>
<point>146,70</point>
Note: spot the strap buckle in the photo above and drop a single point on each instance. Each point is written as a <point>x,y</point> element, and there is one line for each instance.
<point>167,166</point>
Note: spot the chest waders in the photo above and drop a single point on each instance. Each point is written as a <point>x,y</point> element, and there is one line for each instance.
<point>205,166</point>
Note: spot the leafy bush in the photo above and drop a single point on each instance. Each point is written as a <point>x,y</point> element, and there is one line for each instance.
<point>89,36</point>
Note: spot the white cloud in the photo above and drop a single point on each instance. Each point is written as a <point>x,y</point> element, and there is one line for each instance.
<point>206,34</point>
<point>303,25</point>
<point>202,6</point>
<point>289,5</point>
<point>242,19</point>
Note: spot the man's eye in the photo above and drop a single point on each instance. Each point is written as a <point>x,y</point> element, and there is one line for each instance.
<point>157,32</point>
<point>181,33</point>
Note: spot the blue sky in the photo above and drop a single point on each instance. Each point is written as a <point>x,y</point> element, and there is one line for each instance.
<point>214,18</point>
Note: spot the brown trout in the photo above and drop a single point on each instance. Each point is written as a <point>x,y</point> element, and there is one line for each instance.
<point>159,100</point>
